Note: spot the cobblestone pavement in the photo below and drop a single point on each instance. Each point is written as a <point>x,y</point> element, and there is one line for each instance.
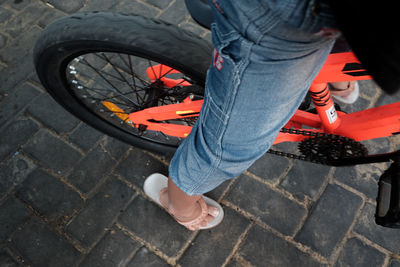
<point>70,196</point>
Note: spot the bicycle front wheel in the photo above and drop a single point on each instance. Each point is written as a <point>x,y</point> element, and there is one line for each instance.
<point>102,66</point>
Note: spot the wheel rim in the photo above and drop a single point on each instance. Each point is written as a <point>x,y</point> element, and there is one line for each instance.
<point>112,85</point>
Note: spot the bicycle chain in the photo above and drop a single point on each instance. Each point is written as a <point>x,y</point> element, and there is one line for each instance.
<point>315,137</point>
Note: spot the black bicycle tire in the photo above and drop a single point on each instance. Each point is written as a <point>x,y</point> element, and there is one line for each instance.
<point>81,32</point>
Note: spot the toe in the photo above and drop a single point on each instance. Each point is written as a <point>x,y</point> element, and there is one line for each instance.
<point>213,211</point>
<point>206,221</point>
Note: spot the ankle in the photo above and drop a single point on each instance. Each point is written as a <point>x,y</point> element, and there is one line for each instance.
<point>185,213</point>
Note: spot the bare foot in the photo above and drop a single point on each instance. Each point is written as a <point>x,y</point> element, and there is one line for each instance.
<point>189,213</point>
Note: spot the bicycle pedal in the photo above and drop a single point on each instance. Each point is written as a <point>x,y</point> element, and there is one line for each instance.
<point>388,201</point>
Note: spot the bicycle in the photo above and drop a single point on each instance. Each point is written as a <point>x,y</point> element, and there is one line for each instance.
<point>141,81</point>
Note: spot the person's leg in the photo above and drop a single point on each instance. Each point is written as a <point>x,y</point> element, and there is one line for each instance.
<point>261,70</point>
<point>183,206</point>
<point>345,92</point>
<point>343,88</point>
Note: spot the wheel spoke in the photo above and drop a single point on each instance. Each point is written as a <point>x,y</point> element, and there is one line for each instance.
<point>135,91</point>
<point>116,78</point>
<point>132,74</point>
<point>116,69</point>
<point>107,81</point>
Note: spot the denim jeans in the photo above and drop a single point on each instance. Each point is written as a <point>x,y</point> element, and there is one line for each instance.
<point>267,53</point>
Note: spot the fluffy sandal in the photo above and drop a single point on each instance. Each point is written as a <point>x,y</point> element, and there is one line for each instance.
<point>156,184</point>
<point>350,99</point>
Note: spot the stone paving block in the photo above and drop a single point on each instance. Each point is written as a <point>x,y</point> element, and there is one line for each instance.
<point>151,223</point>
<point>360,104</point>
<point>114,147</point>
<point>14,172</point>
<point>49,196</point>
<point>175,13</point>
<point>33,78</point>
<point>217,192</point>
<point>3,41</point>
<point>212,247</point>
<point>363,178</point>
<point>66,6</point>
<point>5,15</point>
<point>40,246</point>
<point>289,147</point>
<point>137,8</point>
<point>12,76</point>
<point>369,88</point>
<point>91,169</point>
<point>144,257</point>
<point>15,135</point>
<point>234,263</point>
<point>100,211</point>
<point>357,253</point>
<point>49,16</point>
<point>50,113</point>
<point>19,23</point>
<point>385,237</point>
<point>305,179</point>
<point>329,220</point>
<point>394,263</point>
<point>12,214</point>
<point>85,137</point>
<point>18,4</point>
<point>378,145</point>
<point>51,152</point>
<point>15,102</point>
<point>162,4</point>
<point>138,165</point>
<point>386,99</point>
<point>269,167</point>
<point>17,55</point>
<point>6,260</point>
<point>262,248</point>
<point>19,51</point>
<point>115,249</point>
<point>98,5</point>
<point>270,206</point>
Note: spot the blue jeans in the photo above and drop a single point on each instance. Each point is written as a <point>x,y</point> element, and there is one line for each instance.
<point>266,55</point>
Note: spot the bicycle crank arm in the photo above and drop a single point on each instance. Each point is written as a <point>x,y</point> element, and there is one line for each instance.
<point>388,201</point>
<point>377,158</point>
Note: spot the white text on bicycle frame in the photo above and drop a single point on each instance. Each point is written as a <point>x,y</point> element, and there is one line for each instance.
<point>332,114</point>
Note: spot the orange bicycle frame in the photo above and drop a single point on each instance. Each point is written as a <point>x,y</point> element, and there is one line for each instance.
<point>363,125</point>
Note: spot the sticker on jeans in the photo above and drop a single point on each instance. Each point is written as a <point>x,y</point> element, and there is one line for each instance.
<point>332,114</point>
<point>217,60</point>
